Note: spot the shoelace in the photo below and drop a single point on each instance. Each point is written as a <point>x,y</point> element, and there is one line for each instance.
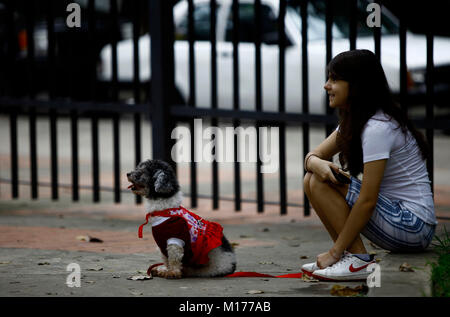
<point>345,258</point>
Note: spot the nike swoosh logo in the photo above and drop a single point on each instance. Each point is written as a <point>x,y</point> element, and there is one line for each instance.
<point>353,269</point>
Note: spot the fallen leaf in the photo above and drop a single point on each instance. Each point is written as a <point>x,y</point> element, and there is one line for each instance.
<point>89,239</point>
<point>137,293</point>
<point>264,263</point>
<point>82,238</point>
<point>116,276</point>
<point>254,291</point>
<point>244,236</point>
<point>234,244</point>
<point>339,290</point>
<point>139,278</point>
<point>90,282</point>
<point>95,268</point>
<point>307,278</point>
<point>405,267</point>
<point>7,262</point>
<point>95,240</point>
<point>304,257</point>
<point>43,263</point>
<point>265,230</point>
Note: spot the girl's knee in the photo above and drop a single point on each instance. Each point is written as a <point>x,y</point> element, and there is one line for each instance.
<point>306,186</point>
<point>315,181</point>
<point>307,179</point>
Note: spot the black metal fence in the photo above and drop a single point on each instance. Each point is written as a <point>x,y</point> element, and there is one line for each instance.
<point>73,87</point>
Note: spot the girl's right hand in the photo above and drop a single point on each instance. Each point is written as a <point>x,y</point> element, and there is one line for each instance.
<point>322,169</point>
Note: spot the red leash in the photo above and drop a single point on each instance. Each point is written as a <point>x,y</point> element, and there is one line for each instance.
<point>243,274</point>
<point>254,274</point>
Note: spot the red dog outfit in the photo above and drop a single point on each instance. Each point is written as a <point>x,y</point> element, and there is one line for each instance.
<point>199,235</point>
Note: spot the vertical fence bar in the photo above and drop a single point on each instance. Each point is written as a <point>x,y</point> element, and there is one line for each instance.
<point>163,83</point>
<point>71,68</point>
<point>92,53</point>
<point>258,99</point>
<point>10,31</point>
<point>215,170</point>
<point>329,55</point>
<point>136,86</point>
<point>192,99</point>
<point>10,55</point>
<point>115,119</point>
<point>74,150</point>
<point>31,94</point>
<point>377,35</point>
<point>116,149</point>
<point>51,89</point>
<point>11,41</point>
<point>403,82</point>
<point>114,37</point>
<point>281,106</point>
<point>95,160</point>
<point>92,21</point>
<point>3,53</point>
<point>236,122</point>
<point>430,105</point>
<point>74,113</point>
<point>14,155</point>
<point>352,31</point>
<point>305,92</point>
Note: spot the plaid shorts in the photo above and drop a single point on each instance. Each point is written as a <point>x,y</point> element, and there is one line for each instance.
<point>391,226</point>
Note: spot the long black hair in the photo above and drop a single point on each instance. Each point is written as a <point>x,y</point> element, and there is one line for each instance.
<point>368,92</point>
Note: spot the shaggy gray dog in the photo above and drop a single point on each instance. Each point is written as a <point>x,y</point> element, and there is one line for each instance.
<point>155,180</point>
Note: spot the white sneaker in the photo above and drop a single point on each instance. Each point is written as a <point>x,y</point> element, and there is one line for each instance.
<point>309,268</point>
<point>348,268</point>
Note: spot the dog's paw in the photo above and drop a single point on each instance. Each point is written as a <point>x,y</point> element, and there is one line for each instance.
<point>171,274</point>
<point>159,271</point>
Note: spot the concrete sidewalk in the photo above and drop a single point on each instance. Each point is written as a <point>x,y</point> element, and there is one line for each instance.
<point>38,240</point>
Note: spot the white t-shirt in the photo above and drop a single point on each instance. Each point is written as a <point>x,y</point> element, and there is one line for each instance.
<point>405,177</point>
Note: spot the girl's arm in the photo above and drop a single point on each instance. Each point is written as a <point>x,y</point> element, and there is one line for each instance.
<point>363,208</point>
<point>327,149</point>
<point>318,162</point>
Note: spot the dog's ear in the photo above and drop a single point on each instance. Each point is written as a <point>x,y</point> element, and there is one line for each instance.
<point>162,182</point>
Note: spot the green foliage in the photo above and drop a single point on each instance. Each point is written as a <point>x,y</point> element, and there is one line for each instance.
<point>440,272</point>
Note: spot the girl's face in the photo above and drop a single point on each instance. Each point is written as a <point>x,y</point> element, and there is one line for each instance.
<point>337,91</point>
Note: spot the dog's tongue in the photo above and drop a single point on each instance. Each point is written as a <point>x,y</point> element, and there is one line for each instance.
<point>130,186</point>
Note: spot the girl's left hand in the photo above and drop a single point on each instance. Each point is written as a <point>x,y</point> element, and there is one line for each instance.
<point>325,259</point>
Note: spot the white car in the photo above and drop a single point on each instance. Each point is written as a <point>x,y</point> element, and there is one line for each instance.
<point>390,52</point>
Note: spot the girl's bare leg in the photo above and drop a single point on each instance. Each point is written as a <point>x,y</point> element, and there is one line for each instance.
<point>322,216</point>
<point>330,205</point>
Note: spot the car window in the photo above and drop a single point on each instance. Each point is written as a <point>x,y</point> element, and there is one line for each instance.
<point>247,25</point>
<point>202,24</point>
<point>341,21</point>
